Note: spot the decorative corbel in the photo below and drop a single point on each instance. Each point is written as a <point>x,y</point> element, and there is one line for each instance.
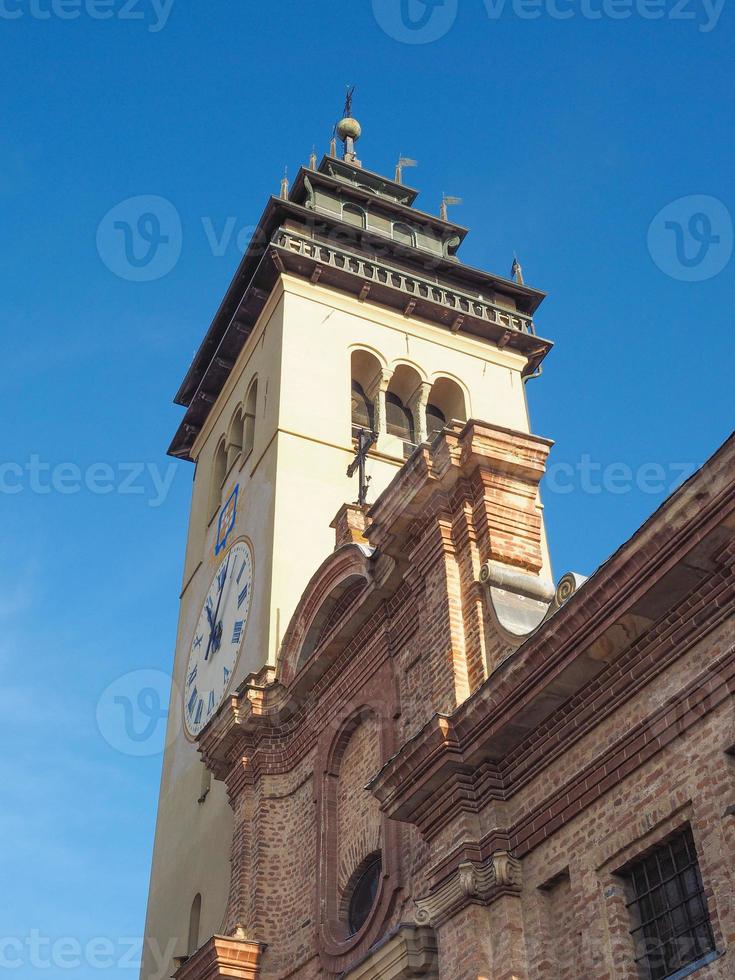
<point>471,882</point>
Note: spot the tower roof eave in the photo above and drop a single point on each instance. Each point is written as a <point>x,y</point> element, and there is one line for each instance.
<point>527,298</point>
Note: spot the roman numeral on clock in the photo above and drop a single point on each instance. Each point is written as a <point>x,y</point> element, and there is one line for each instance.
<point>192,702</point>
<point>210,705</point>
<point>242,569</point>
<point>192,675</point>
<point>242,597</point>
<point>237,631</point>
<point>198,715</point>
<point>198,641</point>
<point>227,674</point>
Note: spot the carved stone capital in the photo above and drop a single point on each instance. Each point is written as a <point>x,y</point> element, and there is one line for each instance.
<point>471,882</point>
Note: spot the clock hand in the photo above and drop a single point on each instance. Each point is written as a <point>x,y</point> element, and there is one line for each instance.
<point>213,621</point>
<point>218,628</point>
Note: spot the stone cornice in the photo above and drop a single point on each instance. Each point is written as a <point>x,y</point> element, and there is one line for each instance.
<point>223,956</point>
<point>672,719</point>
<point>532,680</point>
<point>461,451</point>
<point>271,707</point>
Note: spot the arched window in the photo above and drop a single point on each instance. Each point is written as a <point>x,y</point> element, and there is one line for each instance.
<point>363,416</point>
<point>398,419</point>
<point>446,404</point>
<point>435,420</point>
<point>354,215</point>
<point>194,916</point>
<point>402,391</point>
<point>364,890</point>
<point>234,438</point>
<point>219,472</point>
<point>404,233</point>
<point>365,372</point>
<point>248,428</point>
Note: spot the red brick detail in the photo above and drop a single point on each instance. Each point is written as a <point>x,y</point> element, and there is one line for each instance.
<point>350,824</point>
<point>348,564</point>
<point>223,957</point>
<point>349,524</point>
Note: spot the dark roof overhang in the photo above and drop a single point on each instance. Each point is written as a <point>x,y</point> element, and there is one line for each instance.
<point>264,260</point>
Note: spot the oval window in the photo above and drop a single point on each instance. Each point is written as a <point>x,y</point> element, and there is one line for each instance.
<point>363,895</point>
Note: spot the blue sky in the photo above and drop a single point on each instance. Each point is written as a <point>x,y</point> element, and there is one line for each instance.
<point>565,138</point>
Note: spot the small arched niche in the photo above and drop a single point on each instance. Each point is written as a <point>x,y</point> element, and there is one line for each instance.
<point>365,371</point>
<point>249,418</point>
<point>234,437</point>
<point>446,403</point>
<point>219,472</point>
<point>195,915</point>
<point>399,416</point>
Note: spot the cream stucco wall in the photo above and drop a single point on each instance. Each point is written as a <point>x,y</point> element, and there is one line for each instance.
<point>291,486</point>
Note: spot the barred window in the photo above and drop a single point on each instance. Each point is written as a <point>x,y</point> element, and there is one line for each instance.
<point>671,926</point>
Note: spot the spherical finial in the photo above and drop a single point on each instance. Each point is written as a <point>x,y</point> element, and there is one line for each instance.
<point>349,128</point>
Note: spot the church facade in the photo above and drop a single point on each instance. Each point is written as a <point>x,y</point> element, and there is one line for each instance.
<point>397,747</point>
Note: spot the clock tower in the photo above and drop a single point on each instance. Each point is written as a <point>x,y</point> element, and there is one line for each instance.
<point>350,326</point>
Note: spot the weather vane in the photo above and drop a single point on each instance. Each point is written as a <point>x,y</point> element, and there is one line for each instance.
<point>348,102</point>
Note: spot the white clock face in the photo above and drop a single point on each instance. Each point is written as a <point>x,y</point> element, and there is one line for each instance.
<point>218,637</point>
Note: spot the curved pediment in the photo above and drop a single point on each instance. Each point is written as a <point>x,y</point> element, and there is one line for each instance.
<point>336,588</point>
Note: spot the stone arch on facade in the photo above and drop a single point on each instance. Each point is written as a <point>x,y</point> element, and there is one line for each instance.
<point>234,437</point>
<point>339,577</point>
<point>406,398</point>
<point>446,403</point>
<point>338,948</point>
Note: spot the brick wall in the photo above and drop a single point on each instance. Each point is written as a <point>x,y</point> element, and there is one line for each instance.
<point>504,821</point>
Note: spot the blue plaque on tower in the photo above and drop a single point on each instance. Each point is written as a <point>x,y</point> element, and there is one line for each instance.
<point>226,521</point>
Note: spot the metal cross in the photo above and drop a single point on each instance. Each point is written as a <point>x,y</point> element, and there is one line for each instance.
<point>365,439</point>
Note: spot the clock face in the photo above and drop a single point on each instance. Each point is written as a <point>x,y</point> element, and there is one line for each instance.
<point>218,637</point>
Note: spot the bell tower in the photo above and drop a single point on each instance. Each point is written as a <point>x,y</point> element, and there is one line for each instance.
<point>351,333</point>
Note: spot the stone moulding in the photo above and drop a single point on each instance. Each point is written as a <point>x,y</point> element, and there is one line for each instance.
<point>695,516</point>
<point>479,883</point>
<point>409,951</point>
<point>400,289</point>
<point>224,956</point>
